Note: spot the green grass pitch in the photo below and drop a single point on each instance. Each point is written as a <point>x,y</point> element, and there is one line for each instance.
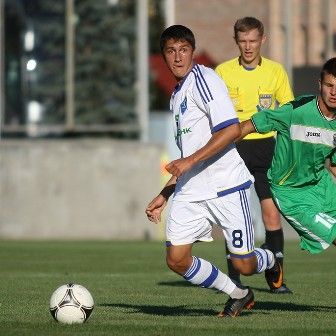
<point>136,294</point>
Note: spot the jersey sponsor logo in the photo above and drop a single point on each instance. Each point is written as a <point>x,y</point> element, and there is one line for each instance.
<point>265,101</point>
<point>312,135</point>
<point>183,131</point>
<point>183,106</point>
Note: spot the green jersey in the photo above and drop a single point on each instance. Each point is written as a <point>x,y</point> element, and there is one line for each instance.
<point>305,139</point>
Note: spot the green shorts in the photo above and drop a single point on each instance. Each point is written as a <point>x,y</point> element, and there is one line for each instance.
<point>311,211</point>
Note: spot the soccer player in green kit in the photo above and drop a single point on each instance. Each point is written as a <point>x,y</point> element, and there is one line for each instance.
<point>302,184</point>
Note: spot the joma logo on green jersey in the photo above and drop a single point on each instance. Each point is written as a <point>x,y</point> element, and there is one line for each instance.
<point>183,131</point>
<point>314,134</point>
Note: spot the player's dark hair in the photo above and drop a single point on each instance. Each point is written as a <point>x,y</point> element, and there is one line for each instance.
<point>329,67</point>
<point>246,24</point>
<point>177,33</point>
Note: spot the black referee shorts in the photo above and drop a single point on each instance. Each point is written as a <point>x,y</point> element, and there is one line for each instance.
<point>258,154</point>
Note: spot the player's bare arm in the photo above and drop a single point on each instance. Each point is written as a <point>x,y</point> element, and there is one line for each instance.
<point>156,206</point>
<point>246,128</point>
<point>217,143</point>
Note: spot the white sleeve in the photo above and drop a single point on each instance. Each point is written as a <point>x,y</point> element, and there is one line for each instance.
<point>212,96</point>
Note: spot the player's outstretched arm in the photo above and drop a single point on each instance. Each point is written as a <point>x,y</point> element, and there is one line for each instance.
<point>246,128</point>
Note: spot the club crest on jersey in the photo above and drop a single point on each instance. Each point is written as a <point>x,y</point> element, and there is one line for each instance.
<point>265,101</point>
<point>183,106</point>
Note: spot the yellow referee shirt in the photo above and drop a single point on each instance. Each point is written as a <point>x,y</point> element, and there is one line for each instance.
<point>251,90</point>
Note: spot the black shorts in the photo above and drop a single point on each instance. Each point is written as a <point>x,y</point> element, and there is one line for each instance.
<point>258,154</point>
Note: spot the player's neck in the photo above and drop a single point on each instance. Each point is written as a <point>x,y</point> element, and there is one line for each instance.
<point>328,112</point>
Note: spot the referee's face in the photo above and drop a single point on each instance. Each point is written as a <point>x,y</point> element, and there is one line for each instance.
<point>249,44</point>
<point>178,55</point>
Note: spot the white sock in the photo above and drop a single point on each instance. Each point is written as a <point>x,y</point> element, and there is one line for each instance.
<point>204,274</point>
<point>238,293</point>
<point>265,259</point>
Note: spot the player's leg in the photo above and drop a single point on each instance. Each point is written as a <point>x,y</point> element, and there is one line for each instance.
<point>316,229</point>
<point>262,260</point>
<point>243,148</point>
<point>186,224</point>
<point>199,271</point>
<point>274,240</point>
<point>232,212</point>
<point>311,212</point>
<point>233,273</point>
<point>259,261</point>
<point>179,258</point>
<point>257,155</point>
<point>274,236</point>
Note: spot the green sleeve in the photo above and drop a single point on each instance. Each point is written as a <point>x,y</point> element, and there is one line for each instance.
<point>273,120</point>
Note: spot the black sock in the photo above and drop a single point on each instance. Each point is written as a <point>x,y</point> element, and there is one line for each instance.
<point>232,272</point>
<point>275,242</point>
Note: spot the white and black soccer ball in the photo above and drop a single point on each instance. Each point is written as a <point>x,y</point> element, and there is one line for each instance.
<point>71,303</point>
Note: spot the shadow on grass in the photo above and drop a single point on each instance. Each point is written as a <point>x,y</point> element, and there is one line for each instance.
<point>263,290</point>
<point>178,283</point>
<point>161,310</point>
<point>263,307</point>
<point>183,283</point>
<point>290,307</point>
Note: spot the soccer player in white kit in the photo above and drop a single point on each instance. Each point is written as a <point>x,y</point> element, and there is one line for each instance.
<point>210,181</point>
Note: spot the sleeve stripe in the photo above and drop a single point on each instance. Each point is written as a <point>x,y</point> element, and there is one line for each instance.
<point>225,124</point>
<point>205,83</point>
<point>202,86</point>
<point>199,90</point>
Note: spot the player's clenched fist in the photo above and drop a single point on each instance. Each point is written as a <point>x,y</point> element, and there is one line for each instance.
<point>180,166</point>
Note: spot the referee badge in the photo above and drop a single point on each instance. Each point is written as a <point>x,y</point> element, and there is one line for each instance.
<point>265,101</point>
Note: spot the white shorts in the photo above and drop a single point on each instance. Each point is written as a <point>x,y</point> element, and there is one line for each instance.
<point>189,222</point>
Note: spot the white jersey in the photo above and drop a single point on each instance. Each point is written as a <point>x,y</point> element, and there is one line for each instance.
<point>201,106</point>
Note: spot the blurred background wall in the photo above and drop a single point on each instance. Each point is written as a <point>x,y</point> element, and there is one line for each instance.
<point>85,129</point>
<point>77,189</point>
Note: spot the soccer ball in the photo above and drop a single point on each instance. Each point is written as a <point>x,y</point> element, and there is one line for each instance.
<point>71,303</point>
